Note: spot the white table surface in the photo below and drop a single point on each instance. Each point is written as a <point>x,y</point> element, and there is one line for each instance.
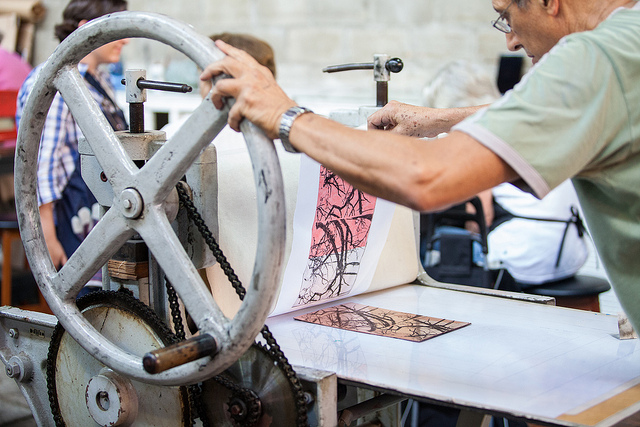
<point>518,358</point>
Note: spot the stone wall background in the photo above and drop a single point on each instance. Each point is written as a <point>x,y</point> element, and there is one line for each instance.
<point>309,35</point>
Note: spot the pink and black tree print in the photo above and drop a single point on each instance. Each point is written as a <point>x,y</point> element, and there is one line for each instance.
<point>339,238</point>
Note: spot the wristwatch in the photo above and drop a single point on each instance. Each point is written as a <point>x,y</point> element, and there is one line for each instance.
<point>288,117</point>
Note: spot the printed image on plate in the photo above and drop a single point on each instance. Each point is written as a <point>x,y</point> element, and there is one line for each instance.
<point>380,321</point>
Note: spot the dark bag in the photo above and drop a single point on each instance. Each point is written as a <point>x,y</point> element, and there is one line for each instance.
<point>75,213</point>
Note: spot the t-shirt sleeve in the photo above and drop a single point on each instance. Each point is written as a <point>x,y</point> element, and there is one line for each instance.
<point>554,123</point>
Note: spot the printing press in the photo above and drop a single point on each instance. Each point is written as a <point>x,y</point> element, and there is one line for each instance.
<point>155,348</point>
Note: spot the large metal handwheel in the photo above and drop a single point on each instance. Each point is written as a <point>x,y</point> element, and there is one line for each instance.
<point>138,202</point>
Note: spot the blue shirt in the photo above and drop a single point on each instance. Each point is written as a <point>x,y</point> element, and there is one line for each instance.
<point>58,153</point>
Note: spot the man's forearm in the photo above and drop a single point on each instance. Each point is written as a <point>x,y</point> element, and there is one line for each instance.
<point>416,121</point>
<point>424,175</point>
<point>440,120</point>
<point>453,116</point>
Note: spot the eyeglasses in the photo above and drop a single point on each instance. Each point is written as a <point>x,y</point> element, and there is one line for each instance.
<point>500,24</point>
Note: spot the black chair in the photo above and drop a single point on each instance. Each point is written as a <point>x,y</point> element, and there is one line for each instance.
<point>579,291</point>
<point>444,233</point>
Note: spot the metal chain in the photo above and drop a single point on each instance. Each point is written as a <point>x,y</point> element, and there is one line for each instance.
<point>209,239</point>
<point>196,402</point>
<point>283,363</point>
<point>273,349</point>
<point>195,390</point>
<point>176,316</point>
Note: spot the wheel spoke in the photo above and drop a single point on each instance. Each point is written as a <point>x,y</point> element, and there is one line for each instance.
<point>177,266</point>
<point>171,162</point>
<point>106,146</point>
<point>109,234</point>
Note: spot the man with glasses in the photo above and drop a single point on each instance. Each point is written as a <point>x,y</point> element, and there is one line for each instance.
<point>576,114</point>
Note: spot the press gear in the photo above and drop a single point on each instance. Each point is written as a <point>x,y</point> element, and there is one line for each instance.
<point>67,392</point>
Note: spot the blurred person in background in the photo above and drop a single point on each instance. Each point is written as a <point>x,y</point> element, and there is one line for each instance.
<point>68,210</point>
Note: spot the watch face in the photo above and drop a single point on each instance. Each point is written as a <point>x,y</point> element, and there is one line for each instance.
<point>288,117</point>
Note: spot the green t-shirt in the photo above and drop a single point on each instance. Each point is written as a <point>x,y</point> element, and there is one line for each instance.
<point>576,114</point>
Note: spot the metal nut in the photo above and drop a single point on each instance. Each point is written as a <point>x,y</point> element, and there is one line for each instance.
<point>13,370</point>
<point>20,368</point>
<point>309,398</point>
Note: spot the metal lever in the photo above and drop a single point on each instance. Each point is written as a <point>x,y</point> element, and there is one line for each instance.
<point>348,67</point>
<point>382,67</point>
<point>165,86</point>
<point>393,65</point>
<point>136,84</point>
<point>179,353</point>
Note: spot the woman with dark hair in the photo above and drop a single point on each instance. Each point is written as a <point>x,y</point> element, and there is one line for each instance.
<point>68,210</point>
<point>78,12</point>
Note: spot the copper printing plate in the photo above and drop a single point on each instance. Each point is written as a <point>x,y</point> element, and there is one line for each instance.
<point>380,321</point>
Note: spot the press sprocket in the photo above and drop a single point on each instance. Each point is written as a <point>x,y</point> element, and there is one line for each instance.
<point>253,381</point>
<point>82,389</point>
